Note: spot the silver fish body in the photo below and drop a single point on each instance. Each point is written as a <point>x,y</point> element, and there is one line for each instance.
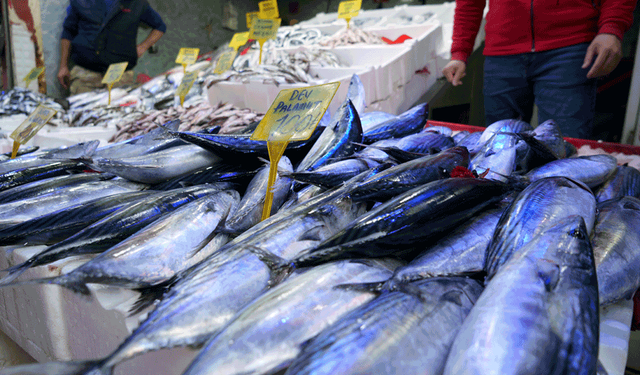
<point>79,151</point>
<point>497,157</point>
<point>539,313</point>
<point>356,94</point>
<point>616,247</point>
<point>539,206</point>
<point>401,332</point>
<point>371,119</point>
<point>593,170</point>
<point>334,174</point>
<point>291,313</point>
<point>625,181</point>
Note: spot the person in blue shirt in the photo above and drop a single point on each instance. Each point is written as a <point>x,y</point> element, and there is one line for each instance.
<point>98,33</point>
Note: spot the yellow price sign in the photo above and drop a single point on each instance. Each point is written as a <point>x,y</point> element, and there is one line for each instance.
<point>349,9</point>
<point>36,120</point>
<point>33,74</point>
<point>187,56</point>
<point>239,40</point>
<point>250,17</point>
<point>114,73</point>
<point>185,85</point>
<point>268,9</point>
<point>263,30</point>
<point>225,61</point>
<point>293,115</point>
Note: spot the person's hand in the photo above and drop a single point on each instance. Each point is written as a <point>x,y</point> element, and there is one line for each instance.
<point>454,71</point>
<point>63,76</point>
<point>608,49</point>
<point>141,50</point>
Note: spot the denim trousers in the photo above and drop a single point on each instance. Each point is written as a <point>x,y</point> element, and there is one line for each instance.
<point>554,80</point>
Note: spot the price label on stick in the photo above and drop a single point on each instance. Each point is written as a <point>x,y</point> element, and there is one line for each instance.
<point>293,115</point>
<point>263,30</point>
<point>225,61</point>
<point>187,56</point>
<point>349,9</point>
<point>268,9</point>
<point>239,40</point>
<point>186,84</point>
<point>33,74</point>
<point>36,120</point>
<point>250,17</point>
<point>114,73</point>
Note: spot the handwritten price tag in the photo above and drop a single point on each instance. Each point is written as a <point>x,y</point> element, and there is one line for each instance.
<point>251,16</point>
<point>33,74</point>
<point>295,113</point>
<point>114,73</point>
<point>225,61</point>
<point>185,85</point>
<point>36,120</point>
<point>268,9</point>
<point>349,9</point>
<point>187,56</point>
<point>264,29</point>
<point>239,40</point>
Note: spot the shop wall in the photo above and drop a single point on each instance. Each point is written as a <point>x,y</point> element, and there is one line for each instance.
<point>52,14</point>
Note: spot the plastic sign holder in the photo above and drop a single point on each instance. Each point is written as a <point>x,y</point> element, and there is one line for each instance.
<point>113,75</point>
<point>187,56</point>
<point>293,116</point>
<point>33,74</point>
<point>349,9</point>
<point>262,30</point>
<point>36,120</point>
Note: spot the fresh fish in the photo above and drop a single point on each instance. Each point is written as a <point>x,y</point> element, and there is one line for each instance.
<point>406,176</point>
<point>337,140</point>
<point>497,158</point>
<point>301,196</point>
<point>21,152</point>
<point>113,228</point>
<point>159,166</point>
<point>549,134</point>
<point>371,119</point>
<point>153,141</point>
<point>407,331</point>
<point>334,174</point>
<point>472,143</point>
<point>539,313</point>
<point>291,313</point>
<point>409,122</point>
<point>443,130</point>
<point>249,211</point>
<point>242,265</point>
<point>401,224</point>
<point>219,172</point>
<point>538,207</point>
<point>22,210</point>
<point>616,247</point>
<point>156,253</point>
<point>592,170</point>
<point>356,94</point>
<point>65,222</point>
<point>502,126</point>
<point>374,151</point>
<point>49,185</point>
<point>624,181</point>
<point>78,151</point>
<point>459,136</point>
<point>425,142</point>
<point>23,176</point>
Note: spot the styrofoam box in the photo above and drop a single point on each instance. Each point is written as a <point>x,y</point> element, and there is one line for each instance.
<point>71,136</point>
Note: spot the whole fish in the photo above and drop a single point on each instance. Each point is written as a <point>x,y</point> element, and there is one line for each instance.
<point>616,247</point>
<point>497,158</point>
<point>472,143</point>
<point>406,176</point>
<point>199,304</point>
<point>158,166</point>
<point>113,228</point>
<point>408,331</point>
<point>155,140</point>
<point>374,151</point>
<point>356,94</point>
<point>249,211</point>
<point>538,207</point>
<point>18,211</point>
<point>624,181</point>
<point>23,176</point>
<point>502,126</point>
<point>50,185</point>
<point>425,142</point>
<point>400,225</point>
<point>65,222</point>
<point>78,151</point>
<point>371,119</point>
<point>156,253</point>
<point>409,122</point>
<point>592,170</point>
<point>337,140</point>
<point>291,313</point>
<point>334,174</point>
<point>539,313</point>
<point>219,172</point>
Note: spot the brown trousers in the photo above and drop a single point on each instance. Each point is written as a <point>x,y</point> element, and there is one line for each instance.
<point>85,80</point>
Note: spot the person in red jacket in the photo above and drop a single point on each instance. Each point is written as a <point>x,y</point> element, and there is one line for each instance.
<point>545,51</point>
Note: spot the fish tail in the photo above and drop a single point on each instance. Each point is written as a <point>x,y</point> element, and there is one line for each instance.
<point>73,285</point>
<point>279,267</point>
<point>149,294</point>
<point>15,271</point>
<point>375,287</point>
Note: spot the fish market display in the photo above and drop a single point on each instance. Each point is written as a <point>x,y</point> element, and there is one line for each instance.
<point>20,100</point>
<point>349,36</point>
<point>538,314</point>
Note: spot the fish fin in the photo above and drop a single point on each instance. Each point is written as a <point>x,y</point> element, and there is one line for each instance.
<point>69,283</point>
<point>15,271</point>
<point>453,296</point>
<point>375,287</point>
<point>149,294</point>
<point>202,244</point>
<point>600,370</point>
<point>279,267</point>
<point>549,273</point>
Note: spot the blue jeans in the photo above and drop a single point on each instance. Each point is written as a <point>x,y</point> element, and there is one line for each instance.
<point>553,79</point>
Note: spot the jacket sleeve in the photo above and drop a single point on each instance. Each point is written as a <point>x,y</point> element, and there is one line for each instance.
<point>466,23</point>
<point>153,19</point>
<point>70,24</point>
<point>616,17</point>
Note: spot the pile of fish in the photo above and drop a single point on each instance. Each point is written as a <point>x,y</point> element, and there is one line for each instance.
<point>19,100</point>
<point>296,36</point>
<point>349,36</point>
<point>392,247</point>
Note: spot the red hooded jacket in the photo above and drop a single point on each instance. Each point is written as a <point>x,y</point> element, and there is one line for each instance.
<point>519,26</point>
